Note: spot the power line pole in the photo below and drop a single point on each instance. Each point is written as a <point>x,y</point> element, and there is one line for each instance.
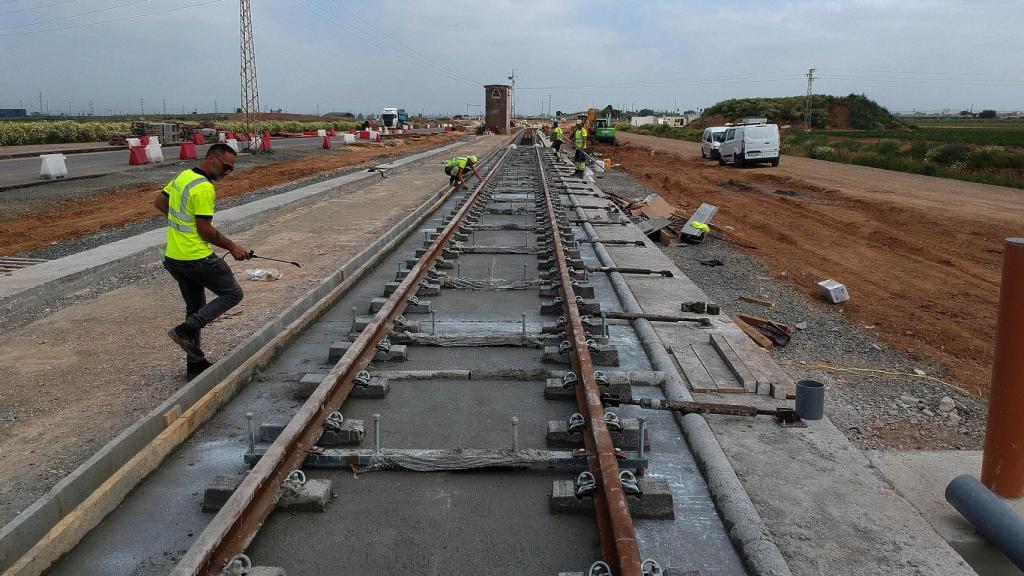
<point>165,106</point>
<point>512,77</point>
<point>40,102</point>
<point>142,108</point>
<point>807,101</point>
<point>250,88</point>
<point>549,104</point>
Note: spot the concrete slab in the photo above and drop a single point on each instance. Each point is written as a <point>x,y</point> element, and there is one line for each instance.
<point>921,478</point>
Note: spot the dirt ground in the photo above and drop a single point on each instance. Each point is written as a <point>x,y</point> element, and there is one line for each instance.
<point>72,218</point>
<point>920,255</point>
<point>75,378</point>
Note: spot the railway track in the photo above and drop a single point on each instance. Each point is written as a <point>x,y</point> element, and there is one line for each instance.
<point>454,413</point>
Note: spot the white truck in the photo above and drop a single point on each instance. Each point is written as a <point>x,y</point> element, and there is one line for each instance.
<point>750,143</point>
<point>394,117</point>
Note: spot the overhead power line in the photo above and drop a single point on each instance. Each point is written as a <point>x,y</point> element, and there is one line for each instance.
<point>75,15</point>
<point>37,7</point>
<point>196,5</point>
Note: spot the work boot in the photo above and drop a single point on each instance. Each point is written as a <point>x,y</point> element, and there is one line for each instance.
<point>186,337</point>
<point>193,369</point>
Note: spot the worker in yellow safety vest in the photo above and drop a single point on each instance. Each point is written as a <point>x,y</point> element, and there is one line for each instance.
<point>580,141</point>
<point>188,202</point>
<point>556,137</point>
<point>456,168</point>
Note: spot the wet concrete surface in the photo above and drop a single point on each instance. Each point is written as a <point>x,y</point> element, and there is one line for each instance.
<point>435,523</point>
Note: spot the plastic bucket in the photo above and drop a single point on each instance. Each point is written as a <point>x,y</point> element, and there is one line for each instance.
<point>810,399</point>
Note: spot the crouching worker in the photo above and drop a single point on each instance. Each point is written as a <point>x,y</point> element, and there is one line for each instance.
<point>457,167</point>
<point>556,137</point>
<point>188,202</point>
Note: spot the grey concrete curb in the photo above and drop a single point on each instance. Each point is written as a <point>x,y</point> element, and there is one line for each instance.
<point>746,528</point>
<point>78,271</point>
<point>21,533</point>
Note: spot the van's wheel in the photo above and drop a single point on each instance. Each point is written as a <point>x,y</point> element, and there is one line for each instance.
<point>775,162</point>
<point>702,154</point>
<point>721,161</point>
<point>738,161</point>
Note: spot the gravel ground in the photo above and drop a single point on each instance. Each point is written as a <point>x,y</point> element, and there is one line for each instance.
<point>875,410</point>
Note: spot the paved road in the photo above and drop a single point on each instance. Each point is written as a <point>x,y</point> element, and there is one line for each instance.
<point>17,171</point>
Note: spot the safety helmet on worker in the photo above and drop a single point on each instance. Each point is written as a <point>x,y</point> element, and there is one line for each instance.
<point>472,160</point>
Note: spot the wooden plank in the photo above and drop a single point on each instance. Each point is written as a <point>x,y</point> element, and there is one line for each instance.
<point>704,214</point>
<point>720,373</point>
<point>758,364</point>
<point>733,362</point>
<point>696,375</point>
<point>758,301</point>
<point>758,338</point>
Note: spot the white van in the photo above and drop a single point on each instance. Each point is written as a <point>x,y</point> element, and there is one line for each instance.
<point>750,143</point>
<point>710,141</point>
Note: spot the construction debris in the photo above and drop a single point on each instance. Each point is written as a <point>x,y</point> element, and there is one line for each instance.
<point>833,291</point>
<point>779,334</point>
<point>758,301</point>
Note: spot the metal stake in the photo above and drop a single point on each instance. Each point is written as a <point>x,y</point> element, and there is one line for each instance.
<point>252,432</point>
<point>524,322</point>
<point>458,269</point>
<point>376,432</point>
<point>643,432</point>
<point>515,434</point>
<point>524,271</point>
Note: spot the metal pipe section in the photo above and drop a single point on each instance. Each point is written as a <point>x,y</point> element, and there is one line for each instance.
<point>615,525</point>
<point>991,517</point>
<point>235,525</point>
<point>1002,466</point>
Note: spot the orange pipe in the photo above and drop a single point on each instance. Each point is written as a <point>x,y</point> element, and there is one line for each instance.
<point>1002,466</point>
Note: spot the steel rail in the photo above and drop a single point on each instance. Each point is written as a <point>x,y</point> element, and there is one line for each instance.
<point>236,524</point>
<point>614,523</point>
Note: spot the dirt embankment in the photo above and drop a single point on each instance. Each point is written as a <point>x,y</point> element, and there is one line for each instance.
<point>74,218</point>
<point>920,256</point>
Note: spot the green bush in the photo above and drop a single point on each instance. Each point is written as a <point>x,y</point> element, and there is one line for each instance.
<point>994,157</point>
<point>887,147</point>
<point>948,153</point>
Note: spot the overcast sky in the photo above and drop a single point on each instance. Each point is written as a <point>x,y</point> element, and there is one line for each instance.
<point>433,55</point>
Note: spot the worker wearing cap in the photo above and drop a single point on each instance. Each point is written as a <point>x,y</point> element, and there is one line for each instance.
<point>188,202</point>
<point>456,169</point>
<point>580,142</point>
<point>556,137</point>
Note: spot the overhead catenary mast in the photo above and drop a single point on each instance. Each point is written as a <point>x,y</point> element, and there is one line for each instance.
<point>250,101</point>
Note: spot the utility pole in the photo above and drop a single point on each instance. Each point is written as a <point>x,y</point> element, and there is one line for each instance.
<point>165,107</point>
<point>250,88</point>
<point>92,109</point>
<point>512,77</point>
<point>142,108</point>
<point>215,106</point>
<point>40,102</point>
<point>807,101</point>
<point>549,104</point>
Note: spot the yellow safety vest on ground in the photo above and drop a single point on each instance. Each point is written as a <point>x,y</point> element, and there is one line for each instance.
<point>190,194</point>
<point>581,138</point>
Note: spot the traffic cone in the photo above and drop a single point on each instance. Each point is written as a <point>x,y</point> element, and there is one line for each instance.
<point>188,151</point>
<point>327,142</point>
<point>265,142</point>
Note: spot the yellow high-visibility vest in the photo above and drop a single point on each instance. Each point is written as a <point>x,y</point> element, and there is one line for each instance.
<point>581,138</point>
<point>190,194</point>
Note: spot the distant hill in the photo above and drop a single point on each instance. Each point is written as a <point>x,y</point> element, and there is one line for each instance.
<point>835,112</point>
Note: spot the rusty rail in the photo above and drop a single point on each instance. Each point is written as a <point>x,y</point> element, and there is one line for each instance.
<point>619,547</point>
<point>236,524</point>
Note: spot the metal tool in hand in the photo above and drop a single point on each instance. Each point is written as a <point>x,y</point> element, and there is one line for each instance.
<point>252,254</point>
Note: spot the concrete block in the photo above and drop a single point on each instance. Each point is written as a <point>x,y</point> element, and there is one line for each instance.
<point>351,433</point>
<point>617,386</point>
<point>654,503</point>
<point>603,355</point>
<point>377,388</point>
<point>583,290</point>
<point>218,492</point>
<point>422,308</point>
<point>312,496</point>
<point>398,352</point>
<point>558,435</point>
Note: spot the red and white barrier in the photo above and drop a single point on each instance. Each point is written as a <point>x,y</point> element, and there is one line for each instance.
<point>265,145</point>
<point>198,139</point>
<point>187,151</point>
<point>137,156</point>
<point>327,142</point>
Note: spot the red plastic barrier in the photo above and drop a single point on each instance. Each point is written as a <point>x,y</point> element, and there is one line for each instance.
<point>188,151</point>
<point>309,133</point>
<point>331,132</point>
<point>137,156</point>
<point>265,143</point>
<point>144,140</point>
<point>351,130</point>
<point>327,142</point>
<point>447,128</point>
<point>198,138</point>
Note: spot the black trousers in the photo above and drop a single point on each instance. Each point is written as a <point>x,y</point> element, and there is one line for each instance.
<point>194,277</point>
